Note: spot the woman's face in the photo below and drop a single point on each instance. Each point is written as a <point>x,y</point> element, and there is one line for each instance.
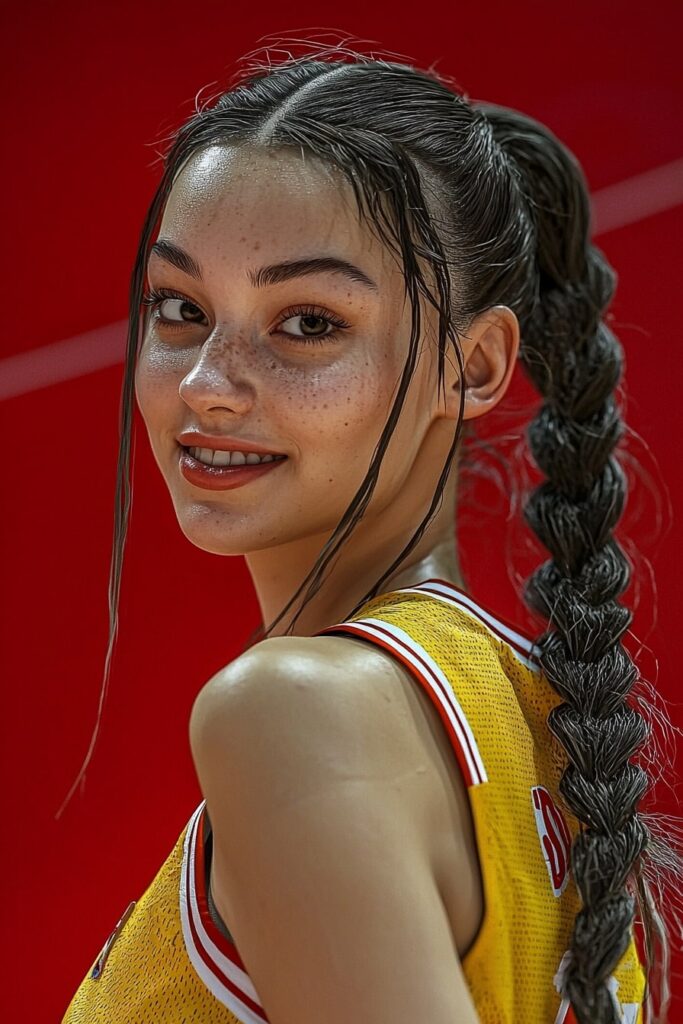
<point>303,364</point>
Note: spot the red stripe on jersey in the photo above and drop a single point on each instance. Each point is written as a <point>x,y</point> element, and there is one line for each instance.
<point>226,947</point>
<point>395,647</point>
<point>203,952</point>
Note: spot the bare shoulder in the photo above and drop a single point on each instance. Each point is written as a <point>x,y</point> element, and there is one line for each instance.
<point>320,776</point>
<point>332,708</point>
<point>313,701</point>
<point>298,659</point>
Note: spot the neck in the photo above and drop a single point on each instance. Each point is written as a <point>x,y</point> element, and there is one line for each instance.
<point>364,558</point>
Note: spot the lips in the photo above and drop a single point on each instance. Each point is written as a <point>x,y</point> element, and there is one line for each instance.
<point>222,478</point>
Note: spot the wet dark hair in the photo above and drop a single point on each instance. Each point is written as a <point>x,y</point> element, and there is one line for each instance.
<point>497,208</point>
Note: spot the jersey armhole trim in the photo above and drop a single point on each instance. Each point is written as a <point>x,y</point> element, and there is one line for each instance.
<point>214,958</point>
<point>431,678</point>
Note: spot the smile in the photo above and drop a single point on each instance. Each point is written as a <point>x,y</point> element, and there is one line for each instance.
<point>226,470</point>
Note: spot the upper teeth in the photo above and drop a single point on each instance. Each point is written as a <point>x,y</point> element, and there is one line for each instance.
<point>216,458</point>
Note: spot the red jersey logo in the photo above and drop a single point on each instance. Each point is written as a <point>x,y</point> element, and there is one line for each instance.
<point>555,838</point>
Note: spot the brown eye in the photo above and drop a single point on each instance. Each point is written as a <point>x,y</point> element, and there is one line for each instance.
<point>179,311</point>
<point>170,309</point>
<point>310,326</point>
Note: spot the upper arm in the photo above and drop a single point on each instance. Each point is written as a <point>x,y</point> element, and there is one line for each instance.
<point>318,800</point>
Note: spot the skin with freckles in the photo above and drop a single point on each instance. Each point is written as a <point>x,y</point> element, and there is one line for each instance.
<point>231,357</point>
<point>309,367</point>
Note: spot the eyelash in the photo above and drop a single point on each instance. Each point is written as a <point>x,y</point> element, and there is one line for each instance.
<point>154,297</point>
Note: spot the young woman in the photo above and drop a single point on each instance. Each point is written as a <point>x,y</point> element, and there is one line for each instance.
<point>412,812</point>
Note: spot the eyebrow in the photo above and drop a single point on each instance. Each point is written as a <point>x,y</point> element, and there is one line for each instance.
<point>273,273</point>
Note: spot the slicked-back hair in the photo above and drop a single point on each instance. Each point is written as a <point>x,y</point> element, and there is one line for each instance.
<point>497,209</point>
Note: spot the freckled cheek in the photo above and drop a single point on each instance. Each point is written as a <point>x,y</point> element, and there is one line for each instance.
<point>334,410</point>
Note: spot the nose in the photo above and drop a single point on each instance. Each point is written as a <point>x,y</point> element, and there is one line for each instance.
<point>217,379</point>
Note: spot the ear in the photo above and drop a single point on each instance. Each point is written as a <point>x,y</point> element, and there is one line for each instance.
<point>490,347</point>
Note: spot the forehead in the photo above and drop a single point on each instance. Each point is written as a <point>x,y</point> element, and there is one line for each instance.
<point>228,199</point>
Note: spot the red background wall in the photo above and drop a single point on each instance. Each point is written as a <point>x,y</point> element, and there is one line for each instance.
<point>87,90</point>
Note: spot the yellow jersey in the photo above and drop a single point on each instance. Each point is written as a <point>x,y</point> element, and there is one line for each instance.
<point>168,962</point>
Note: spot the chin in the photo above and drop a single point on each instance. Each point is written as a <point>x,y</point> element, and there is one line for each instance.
<point>209,545</point>
<point>211,540</point>
<point>210,537</point>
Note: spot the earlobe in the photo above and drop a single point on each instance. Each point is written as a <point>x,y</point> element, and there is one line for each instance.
<point>490,352</point>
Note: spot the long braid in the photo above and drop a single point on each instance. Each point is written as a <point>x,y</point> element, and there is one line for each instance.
<point>500,201</point>
<point>575,362</point>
